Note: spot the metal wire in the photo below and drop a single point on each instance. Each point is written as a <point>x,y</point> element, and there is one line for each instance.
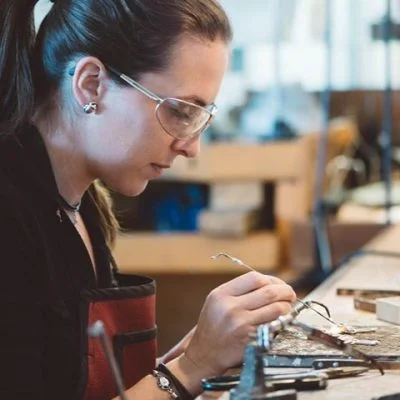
<point>307,303</point>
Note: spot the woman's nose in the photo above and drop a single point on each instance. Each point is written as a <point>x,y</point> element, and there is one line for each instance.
<point>187,148</point>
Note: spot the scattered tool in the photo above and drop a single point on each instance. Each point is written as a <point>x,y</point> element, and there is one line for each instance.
<point>385,362</point>
<point>325,363</point>
<point>366,292</point>
<point>313,380</point>
<point>251,383</point>
<point>365,299</point>
<point>323,337</point>
<point>305,380</point>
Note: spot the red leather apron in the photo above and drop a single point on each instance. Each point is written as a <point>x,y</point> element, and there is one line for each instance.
<point>128,314</point>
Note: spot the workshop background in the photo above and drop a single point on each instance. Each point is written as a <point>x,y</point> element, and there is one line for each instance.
<point>300,168</point>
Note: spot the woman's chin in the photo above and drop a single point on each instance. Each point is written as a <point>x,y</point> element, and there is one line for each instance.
<point>132,190</point>
<point>128,187</point>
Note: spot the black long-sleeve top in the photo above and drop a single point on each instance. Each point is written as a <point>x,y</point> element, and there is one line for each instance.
<point>44,267</point>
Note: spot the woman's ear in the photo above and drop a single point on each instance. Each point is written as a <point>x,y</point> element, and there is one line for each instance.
<point>89,81</point>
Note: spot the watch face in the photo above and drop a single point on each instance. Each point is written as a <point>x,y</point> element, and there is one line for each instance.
<point>164,382</point>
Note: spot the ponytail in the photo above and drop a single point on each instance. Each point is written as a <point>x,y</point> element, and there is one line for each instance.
<point>108,222</point>
<point>17,35</point>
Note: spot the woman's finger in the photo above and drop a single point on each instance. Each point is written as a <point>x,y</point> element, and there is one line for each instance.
<point>246,283</point>
<point>270,312</point>
<point>266,295</point>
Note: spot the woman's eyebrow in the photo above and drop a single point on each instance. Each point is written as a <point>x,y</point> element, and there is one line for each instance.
<point>195,99</point>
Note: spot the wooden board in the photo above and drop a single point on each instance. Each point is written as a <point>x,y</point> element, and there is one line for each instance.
<point>242,196</point>
<point>280,160</point>
<point>228,224</point>
<point>233,161</point>
<point>190,253</point>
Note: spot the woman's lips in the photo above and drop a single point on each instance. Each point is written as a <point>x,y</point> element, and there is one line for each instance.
<point>159,169</point>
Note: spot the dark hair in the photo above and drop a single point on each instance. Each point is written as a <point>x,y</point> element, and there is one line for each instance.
<point>16,84</point>
<point>134,36</point>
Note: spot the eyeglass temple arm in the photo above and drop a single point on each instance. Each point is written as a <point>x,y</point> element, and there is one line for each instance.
<point>213,108</point>
<point>135,84</point>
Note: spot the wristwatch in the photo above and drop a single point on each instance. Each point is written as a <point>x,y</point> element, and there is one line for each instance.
<point>164,383</point>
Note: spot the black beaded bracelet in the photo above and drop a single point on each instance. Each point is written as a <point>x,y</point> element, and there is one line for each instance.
<point>163,382</point>
<point>182,391</point>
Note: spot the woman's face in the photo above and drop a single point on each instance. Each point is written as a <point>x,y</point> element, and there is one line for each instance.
<point>127,146</point>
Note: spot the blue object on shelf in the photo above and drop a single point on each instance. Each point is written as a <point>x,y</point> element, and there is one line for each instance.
<point>178,211</point>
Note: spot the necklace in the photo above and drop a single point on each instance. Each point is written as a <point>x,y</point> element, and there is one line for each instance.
<point>72,208</point>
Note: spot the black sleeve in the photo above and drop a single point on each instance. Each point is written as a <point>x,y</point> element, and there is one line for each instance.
<point>22,329</point>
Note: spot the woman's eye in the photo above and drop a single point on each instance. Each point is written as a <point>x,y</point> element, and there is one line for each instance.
<point>179,113</point>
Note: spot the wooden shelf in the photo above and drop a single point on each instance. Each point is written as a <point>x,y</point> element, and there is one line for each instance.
<point>283,160</point>
<point>289,164</point>
<point>153,253</point>
<point>238,161</point>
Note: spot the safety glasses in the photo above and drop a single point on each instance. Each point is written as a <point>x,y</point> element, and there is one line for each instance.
<point>181,119</point>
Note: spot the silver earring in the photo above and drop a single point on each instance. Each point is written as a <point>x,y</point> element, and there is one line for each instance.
<point>90,107</point>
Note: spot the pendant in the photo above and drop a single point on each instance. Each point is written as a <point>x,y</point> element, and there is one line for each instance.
<point>59,215</point>
<point>73,217</point>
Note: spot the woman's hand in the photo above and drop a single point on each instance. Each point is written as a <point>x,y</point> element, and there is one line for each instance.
<point>178,349</point>
<point>230,313</point>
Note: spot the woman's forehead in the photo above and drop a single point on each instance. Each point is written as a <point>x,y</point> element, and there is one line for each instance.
<point>196,69</point>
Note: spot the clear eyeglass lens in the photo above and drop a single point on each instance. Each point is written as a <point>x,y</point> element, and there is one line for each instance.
<point>182,119</point>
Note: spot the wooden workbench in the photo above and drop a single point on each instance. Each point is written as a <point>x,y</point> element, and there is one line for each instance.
<point>364,272</point>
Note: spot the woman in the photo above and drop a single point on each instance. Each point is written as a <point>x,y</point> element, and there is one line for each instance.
<point>110,90</point>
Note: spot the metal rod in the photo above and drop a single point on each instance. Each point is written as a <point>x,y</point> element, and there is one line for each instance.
<point>328,318</point>
<point>387,123</point>
<point>278,23</point>
<point>306,303</point>
<point>97,331</point>
<point>234,259</point>
<point>322,245</point>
